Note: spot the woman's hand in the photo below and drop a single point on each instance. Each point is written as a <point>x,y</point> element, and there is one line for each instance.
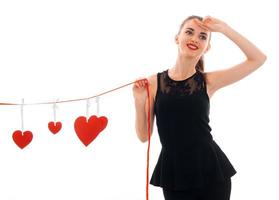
<point>139,90</point>
<point>212,24</point>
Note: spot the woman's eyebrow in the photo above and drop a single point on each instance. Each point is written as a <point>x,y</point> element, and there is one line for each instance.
<point>194,30</point>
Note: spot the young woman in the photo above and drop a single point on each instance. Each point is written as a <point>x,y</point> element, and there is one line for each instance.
<point>191,166</point>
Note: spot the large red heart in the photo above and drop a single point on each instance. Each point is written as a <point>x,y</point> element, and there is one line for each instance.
<point>22,139</point>
<point>87,131</point>
<point>54,127</point>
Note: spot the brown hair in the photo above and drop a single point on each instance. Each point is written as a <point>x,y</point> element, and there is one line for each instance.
<point>200,64</point>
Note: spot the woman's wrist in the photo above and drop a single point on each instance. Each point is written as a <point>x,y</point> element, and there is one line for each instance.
<point>226,29</point>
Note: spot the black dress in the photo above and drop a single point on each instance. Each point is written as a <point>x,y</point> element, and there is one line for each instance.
<point>189,157</point>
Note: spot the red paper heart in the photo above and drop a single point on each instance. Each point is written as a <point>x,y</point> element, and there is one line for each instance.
<point>22,139</point>
<point>54,127</point>
<point>87,131</point>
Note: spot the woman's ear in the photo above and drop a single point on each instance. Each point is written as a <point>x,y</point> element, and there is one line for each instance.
<point>176,39</point>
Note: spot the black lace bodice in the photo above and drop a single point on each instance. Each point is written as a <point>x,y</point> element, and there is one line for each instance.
<point>182,87</point>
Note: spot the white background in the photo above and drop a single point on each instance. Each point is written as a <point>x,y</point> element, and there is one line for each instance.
<point>73,49</point>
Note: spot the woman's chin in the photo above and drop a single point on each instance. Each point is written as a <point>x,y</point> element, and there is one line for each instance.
<point>189,54</point>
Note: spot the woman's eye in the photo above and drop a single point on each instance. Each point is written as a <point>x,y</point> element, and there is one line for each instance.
<point>203,37</point>
<point>188,32</point>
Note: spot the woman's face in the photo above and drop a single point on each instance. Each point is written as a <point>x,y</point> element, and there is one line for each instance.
<point>192,39</point>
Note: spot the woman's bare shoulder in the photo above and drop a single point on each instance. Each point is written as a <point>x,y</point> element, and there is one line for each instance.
<point>152,80</point>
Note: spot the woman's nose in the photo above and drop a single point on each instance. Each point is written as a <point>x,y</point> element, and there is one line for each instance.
<point>194,40</point>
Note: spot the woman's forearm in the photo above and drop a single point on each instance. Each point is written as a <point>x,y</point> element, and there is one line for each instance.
<point>141,118</point>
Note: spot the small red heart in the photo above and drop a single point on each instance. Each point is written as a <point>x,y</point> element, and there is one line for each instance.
<point>87,131</point>
<point>22,139</point>
<point>54,127</point>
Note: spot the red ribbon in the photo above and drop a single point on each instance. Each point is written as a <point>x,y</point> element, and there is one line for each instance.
<point>148,148</point>
<point>148,121</point>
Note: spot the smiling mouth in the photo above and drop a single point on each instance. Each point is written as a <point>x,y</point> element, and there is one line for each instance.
<point>192,47</point>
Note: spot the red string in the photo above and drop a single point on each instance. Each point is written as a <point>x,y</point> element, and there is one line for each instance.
<point>148,121</point>
<point>70,100</point>
<point>148,148</point>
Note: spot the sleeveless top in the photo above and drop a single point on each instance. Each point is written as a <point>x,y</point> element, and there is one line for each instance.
<point>189,157</point>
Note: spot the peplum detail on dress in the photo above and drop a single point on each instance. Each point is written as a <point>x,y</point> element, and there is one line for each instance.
<point>189,157</point>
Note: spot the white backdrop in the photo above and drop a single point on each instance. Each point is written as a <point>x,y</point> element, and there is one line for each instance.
<point>73,49</point>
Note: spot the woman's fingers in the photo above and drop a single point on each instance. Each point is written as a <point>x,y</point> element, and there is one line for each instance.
<point>204,27</point>
<point>201,24</point>
<point>197,21</point>
<point>141,82</point>
<point>207,18</point>
<point>137,84</point>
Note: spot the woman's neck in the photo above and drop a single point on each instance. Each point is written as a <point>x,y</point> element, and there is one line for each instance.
<point>184,67</point>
